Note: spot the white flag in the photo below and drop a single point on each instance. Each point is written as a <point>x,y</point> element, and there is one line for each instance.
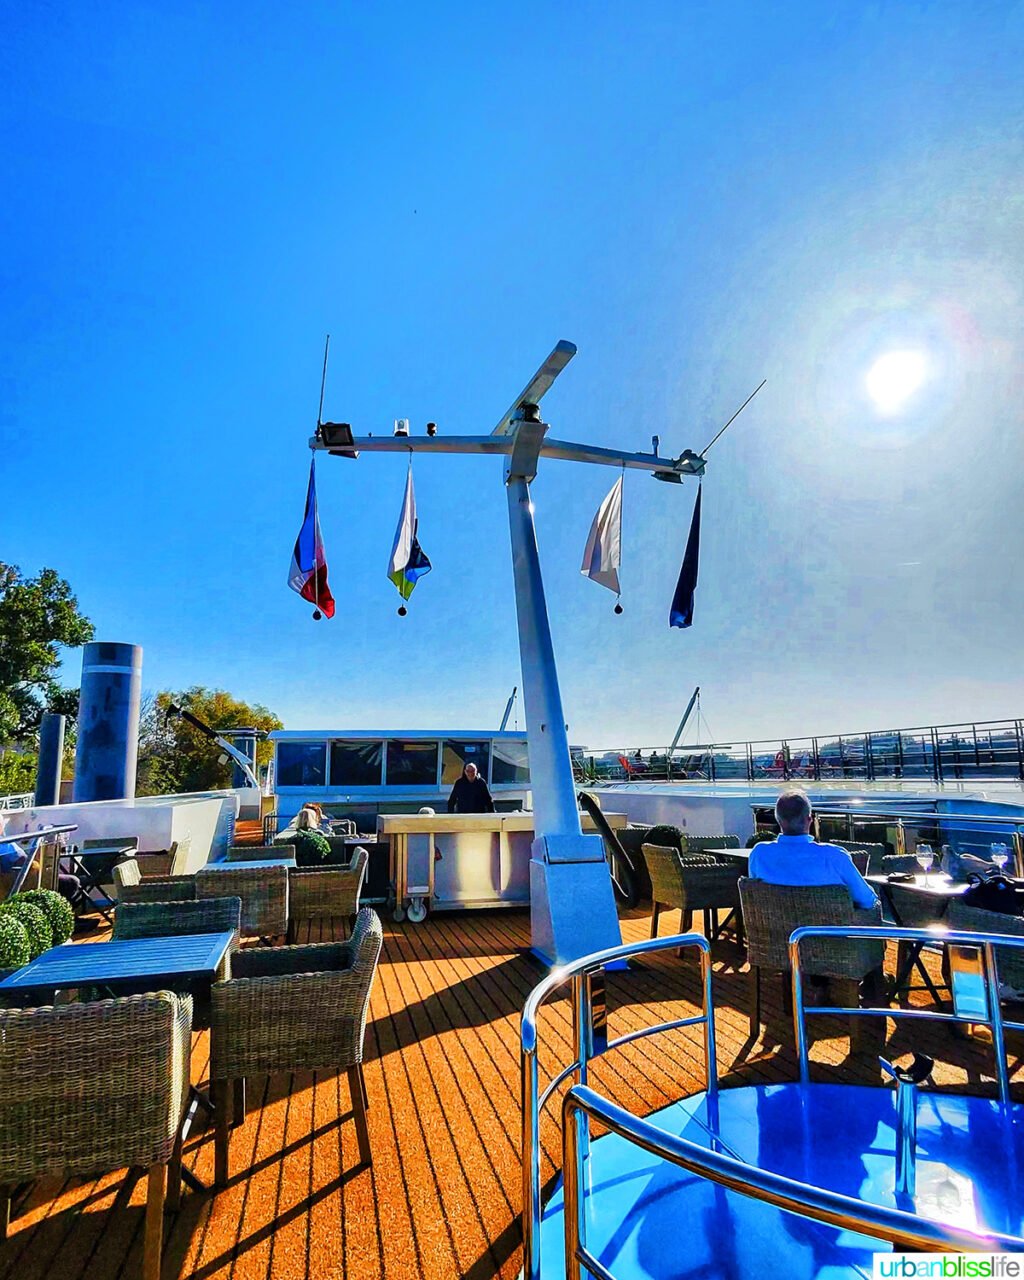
<point>603,554</point>
<point>407,563</point>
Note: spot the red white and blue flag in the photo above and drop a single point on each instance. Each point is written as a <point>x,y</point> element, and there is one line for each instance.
<point>308,572</point>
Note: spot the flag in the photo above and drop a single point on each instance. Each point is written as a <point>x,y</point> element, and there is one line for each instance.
<point>681,613</point>
<point>308,572</point>
<point>603,553</point>
<point>408,563</point>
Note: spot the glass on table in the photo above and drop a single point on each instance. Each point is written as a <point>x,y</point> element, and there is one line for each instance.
<point>1000,855</point>
<point>925,859</point>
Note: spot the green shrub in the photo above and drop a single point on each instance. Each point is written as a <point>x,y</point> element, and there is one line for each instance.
<point>665,835</point>
<point>40,935</point>
<point>56,909</point>
<point>14,945</point>
<point>311,848</point>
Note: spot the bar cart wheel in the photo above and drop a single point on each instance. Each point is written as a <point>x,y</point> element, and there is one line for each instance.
<point>417,911</point>
<point>398,914</point>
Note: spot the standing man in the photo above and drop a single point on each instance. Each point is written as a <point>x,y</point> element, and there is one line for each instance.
<point>470,794</point>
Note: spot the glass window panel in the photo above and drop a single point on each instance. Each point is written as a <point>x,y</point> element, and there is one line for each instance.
<point>412,764</point>
<point>456,755</point>
<point>355,763</point>
<point>509,763</point>
<point>301,764</point>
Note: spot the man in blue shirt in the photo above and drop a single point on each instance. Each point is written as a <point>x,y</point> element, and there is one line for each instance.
<point>795,858</point>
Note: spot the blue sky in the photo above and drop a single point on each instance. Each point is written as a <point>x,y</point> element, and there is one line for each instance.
<point>698,195</point>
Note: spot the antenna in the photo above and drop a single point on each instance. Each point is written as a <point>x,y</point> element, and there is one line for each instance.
<point>323,383</point>
<point>734,416</point>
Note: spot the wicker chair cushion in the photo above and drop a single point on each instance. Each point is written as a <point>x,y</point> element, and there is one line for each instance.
<point>295,1008</point>
<point>164,919</point>
<point>1009,960</point>
<point>263,891</point>
<point>125,874</point>
<point>771,912</point>
<point>89,1088</point>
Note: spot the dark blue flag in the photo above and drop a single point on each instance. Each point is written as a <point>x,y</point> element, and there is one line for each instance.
<point>681,613</point>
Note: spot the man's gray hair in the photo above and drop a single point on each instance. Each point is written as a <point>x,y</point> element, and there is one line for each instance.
<point>792,809</point>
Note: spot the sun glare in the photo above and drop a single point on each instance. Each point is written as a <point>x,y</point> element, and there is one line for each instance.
<point>894,378</point>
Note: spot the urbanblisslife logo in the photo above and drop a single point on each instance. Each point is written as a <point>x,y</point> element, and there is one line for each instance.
<point>948,1266</point>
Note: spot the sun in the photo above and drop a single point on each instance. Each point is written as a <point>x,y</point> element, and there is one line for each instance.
<point>894,378</point>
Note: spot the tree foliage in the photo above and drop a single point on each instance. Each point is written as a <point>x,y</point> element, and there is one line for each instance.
<point>175,758</point>
<point>37,616</point>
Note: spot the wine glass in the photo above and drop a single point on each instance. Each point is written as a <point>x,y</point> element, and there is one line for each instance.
<point>925,858</point>
<point>1000,855</point>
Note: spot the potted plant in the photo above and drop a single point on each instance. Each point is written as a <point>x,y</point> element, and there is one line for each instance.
<point>35,923</point>
<point>57,910</point>
<point>311,848</point>
<point>14,944</point>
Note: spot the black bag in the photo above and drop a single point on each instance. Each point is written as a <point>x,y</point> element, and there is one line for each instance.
<point>995,893</point>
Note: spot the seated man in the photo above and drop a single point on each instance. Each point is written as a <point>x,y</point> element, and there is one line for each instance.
<point>795,858</point>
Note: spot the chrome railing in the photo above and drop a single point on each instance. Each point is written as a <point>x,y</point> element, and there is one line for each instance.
<point>585,980</point>
<point>903,1229</point>
<point>902,819</point>
<point>989,749</point>
<point>986,1013</point>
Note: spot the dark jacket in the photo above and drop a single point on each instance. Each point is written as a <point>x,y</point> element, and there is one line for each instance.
<point>470,797</point>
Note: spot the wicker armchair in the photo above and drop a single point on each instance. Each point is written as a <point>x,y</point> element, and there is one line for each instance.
<point>165,919</point>
<point>263,891</point>
<point>295,1009</point>
<point>321,893</point>
<point>691,882</point>
<point>131,887</point>
<point>1009,960</point>
<point>873,859</point>
<point>87,1089</point>
<point>259,852</point>
<point>771,912</point>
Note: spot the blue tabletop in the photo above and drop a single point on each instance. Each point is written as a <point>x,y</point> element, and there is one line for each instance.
<point>79,964</point>
<point>248,863</point>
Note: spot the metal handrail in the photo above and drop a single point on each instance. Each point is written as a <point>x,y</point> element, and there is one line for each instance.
<point>579,975</point>
<point>986,943</point>
<point>901,1228</point>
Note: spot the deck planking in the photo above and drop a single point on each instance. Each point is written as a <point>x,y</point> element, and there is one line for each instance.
<point>442,1197</point>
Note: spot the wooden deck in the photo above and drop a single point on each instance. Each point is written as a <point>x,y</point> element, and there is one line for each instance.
<point>442,1198</point>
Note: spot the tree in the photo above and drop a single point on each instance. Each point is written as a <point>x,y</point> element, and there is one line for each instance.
<point>36,616</point>
<point>174,758</point>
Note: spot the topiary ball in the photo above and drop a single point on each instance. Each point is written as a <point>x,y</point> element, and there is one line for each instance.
<point>57,910</point>
<point>665,836</point>
<point>14,945</point>
<point>311,848</point>
<point>37,926</point>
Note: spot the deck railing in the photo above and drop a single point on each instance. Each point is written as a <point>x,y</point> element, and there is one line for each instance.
<point>989,750</point>
<point>903,1229</point>
<point>23,800</point>
<point>585,978</point>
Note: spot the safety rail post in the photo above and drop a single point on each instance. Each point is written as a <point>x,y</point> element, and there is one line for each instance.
<point>1019,734</point>
<point>936,756</point>
<point>816,756</point>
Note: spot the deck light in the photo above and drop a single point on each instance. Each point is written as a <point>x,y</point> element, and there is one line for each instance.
<point>337,436</point>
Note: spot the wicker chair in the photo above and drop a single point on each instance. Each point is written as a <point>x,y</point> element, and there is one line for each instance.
<point>165,919</point>
<point>691,882</point>
<point>264,895</point>
<point>131,887</point>
<point>294,1009</point>
<point>899,864</point>
<point>87,1089</point>
<point>1009,960</point>
<point>322,893</point>
<point>771,912</point>
<point>874,855</point>
<point>259,852</point>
